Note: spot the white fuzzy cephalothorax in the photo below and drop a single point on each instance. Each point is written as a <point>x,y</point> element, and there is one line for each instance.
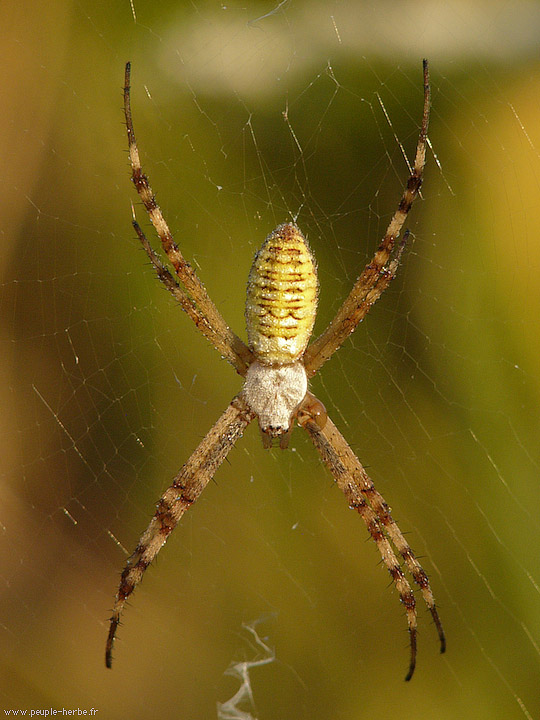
<point>274,393</point>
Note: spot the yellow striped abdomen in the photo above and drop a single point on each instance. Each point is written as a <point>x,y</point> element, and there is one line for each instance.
<point>281,297</point>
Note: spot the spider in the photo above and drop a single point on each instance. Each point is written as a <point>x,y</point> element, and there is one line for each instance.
<point>277,364</point>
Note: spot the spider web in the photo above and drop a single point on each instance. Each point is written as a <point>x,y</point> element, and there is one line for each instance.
<point>246,118</point>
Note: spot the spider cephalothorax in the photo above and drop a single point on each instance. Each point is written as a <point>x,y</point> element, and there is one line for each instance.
<point>277,363</point>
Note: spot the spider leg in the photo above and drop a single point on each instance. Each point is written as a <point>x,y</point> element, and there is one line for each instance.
<point>184,491</point>
<point>232,348</point>
<point>364,292</point>
<point>419,575</point>
<point>196,301</point>
<point>357,486</point>
<point>313,359</point>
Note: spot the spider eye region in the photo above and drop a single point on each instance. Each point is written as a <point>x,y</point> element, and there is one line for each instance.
<point>274,393</point>
<point>281,299</point>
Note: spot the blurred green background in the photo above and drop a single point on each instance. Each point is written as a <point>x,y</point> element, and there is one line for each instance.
<point>247,116</point>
